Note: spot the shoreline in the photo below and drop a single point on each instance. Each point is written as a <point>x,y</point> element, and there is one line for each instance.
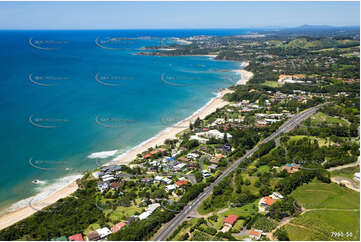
<point>12,217</point>
<point>171,132</point>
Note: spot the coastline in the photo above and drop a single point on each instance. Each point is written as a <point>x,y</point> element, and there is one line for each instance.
<point>171,132</point>
<point>12,217</point>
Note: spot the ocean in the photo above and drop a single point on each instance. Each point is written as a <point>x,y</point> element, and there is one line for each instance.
<point>67,95</point>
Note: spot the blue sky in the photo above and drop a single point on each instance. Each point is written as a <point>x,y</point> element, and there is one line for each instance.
<point>155,15</point>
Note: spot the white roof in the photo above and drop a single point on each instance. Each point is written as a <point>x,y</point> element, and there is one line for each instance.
<point>152,207</point>
<point>158,178</point>
<point>106,176</point>
<point>171,187</point>
<point>180,165</point>
<point>144,215</point>
<point>357,174</point>
<point>167,180</point>
<point>103,232</point>
<point>108,179</point>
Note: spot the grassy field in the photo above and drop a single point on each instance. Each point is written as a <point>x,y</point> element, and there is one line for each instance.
<point>264,169</point>
<point>322,117</point>
<point>271,84</point>
<point>122,213</point>
<point>322,195</point>
<point>319,225</point>
<point>321,141</point>
<point>346,172</point>
<point>331,208</point>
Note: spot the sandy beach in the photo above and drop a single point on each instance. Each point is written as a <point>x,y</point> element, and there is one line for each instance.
<point>13,217</point>
<point>171,132</point>
<point>125,158</point>
<point>245,75</point>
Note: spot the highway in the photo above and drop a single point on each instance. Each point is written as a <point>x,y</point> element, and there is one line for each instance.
<point>165,231</point>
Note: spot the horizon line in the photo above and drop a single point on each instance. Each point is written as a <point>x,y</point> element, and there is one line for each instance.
<point>185,28</point>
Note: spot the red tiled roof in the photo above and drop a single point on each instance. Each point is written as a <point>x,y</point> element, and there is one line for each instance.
<point>76,237</point>
<point>118,226</point>
<point>115,185</point>
<point>147,155</point>
<point>269,201</point>
<point>183,159</point>
<point>181,183</point>
<point>231,219</point>
<point>255,233</point>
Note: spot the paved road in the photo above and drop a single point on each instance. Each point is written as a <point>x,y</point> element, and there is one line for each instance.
<point>288,126</point>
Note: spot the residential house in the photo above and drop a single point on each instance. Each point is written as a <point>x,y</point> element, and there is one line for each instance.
<point>179,166</point>
<point>115,185</point>
<point>212,167</point>
<point>276,195</point>
<point>230,219</point>
<point>205,173</point>
<point>144,215</point>
<point>180,183</point>
<point>93,236</point>
<point>152,207</point>
<point>291,168</point>
<point>170,188</point>
<point>255,234</point>
<point>103,232</point>
<point>103,187</point>
<point>183,159</point>
<point>118,226</point>
<point>265,203</point>
<point>76,237</point>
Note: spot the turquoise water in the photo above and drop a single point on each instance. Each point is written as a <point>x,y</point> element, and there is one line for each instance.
<point>63,98</point>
